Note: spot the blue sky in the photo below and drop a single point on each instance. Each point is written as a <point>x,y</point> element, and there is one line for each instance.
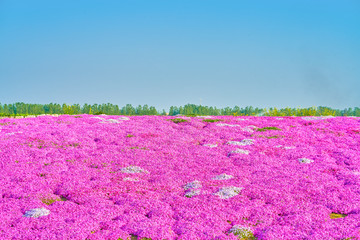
<point>298,53</point>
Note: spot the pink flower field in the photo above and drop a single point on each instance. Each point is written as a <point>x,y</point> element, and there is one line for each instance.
<point>212,177</point>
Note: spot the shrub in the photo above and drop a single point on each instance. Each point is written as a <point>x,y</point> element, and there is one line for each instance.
<point>178,120</point>
<point>267,128</point>
<point>337,215</point>
<point>212,120</point>
<point>98,113</point>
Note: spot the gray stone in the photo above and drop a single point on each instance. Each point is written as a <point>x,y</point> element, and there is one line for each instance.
<point>37,212</point>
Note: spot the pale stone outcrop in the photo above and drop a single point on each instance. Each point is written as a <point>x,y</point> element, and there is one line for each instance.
<point>37,212</point>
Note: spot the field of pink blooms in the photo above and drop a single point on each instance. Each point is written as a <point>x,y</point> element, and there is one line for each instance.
<point>117,177</point>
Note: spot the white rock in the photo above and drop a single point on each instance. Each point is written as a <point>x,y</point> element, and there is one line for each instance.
<point>210,145</point>
<point>192,192</point>
<point>124,118</point>
<point>12,133</point>
<point>131,179</point>
<point>242,151</point>
<point>234,143</point>
<point>223,176</point>
<point>228,192</point>
<point>317,118</point>
<point>225,124</point>
<point>133,169</point>
<point>249,128</point>
<point>98,118</point>
<point>242,231</point>
<point>113,121</point>
<point>281,146</point>
<point>243,142</point>
<point>37,212</point>
<point>194,184</point>
<point>305,160</point>
<point>289,147</point>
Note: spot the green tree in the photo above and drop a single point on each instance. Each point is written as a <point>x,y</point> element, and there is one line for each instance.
<point>139,110</point>
<point>145,110</point>
<point>152,111</point>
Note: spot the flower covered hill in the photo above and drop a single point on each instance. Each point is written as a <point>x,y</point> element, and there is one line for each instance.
<point>112,177</point>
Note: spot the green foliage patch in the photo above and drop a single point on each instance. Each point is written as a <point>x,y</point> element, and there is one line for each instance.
<point>267,128</point>
<point>136,147</point>
<point>337,215</point>
<point>275,136</point>
<point>178,120</point>
<point>212,120</point>
<point>49,201</point>
<point>20,109</point>
<point>99,113</point>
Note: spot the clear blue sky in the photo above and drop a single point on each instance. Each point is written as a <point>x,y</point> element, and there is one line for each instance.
<point>264,53</point>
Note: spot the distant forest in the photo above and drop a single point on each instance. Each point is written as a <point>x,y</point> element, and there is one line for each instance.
<point>22,109</point>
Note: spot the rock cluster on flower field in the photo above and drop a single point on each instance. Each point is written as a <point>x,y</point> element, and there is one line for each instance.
<point>37,212</point>
<point>192,188</point>
<point>79,166</point>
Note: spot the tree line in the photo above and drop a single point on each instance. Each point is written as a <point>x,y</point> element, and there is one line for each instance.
<point>20,108</point>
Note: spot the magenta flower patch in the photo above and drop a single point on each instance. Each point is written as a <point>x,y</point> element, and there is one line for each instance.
<point>116,177</point>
